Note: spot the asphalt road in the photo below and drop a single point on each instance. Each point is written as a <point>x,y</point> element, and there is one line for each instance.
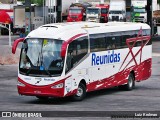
<point>145,97</point>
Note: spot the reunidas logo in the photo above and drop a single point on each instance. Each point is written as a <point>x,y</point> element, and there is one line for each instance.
<point>105,59</point>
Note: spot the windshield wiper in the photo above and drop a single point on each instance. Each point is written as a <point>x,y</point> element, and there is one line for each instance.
<point>42,63</point>
<point>38,61</point>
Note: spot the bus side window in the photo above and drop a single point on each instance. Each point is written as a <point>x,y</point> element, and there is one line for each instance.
<point>111,40</point>
<point>118,41</point>
<point>125,36</point>
<point>138,43</point>
<point>76,51</point>
<point>144,33</point>
<point>148,32</point>
<point>69,62</point>
<point>81,49</point>
<point>97,42</point>
<point>133,34</point>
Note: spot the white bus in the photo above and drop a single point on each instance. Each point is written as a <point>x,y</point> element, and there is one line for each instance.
<point>70,59</point>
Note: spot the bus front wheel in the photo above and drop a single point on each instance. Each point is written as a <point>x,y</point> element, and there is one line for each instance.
<point>81,93</point>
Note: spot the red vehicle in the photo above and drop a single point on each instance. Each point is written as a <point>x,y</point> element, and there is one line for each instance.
<point>104,12</point>
<point>77,12</point>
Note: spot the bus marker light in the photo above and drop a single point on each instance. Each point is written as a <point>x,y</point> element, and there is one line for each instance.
<point>20,84</point>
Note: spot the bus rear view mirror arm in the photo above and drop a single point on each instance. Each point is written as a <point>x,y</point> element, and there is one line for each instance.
<point>15,43</point>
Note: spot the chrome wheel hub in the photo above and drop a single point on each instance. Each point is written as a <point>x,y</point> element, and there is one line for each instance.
<point>79,92</point>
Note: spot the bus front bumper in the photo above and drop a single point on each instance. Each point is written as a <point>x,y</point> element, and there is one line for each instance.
<point>46,90</point>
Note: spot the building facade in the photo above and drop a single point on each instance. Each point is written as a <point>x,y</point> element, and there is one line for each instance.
<point>8,1</point>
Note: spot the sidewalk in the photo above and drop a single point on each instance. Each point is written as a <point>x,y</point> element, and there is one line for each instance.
<point>6,56</point>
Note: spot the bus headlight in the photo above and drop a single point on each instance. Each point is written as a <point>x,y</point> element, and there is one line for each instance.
<point>20,84</point>
<point>58,86</point>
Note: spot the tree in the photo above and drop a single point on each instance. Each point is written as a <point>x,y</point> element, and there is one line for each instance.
<point>38,2</point>
<point>158,1</point>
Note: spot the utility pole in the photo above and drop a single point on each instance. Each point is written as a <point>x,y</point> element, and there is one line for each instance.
<point>149,15</point>
<point>27,16</point>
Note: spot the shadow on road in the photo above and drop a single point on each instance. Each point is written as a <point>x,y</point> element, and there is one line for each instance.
<point>68,100</point>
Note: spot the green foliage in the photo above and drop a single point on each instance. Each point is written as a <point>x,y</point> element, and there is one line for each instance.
<point>39,2</point>
<point>158,1</point>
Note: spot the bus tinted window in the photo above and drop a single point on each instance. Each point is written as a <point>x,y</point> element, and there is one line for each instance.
<point>126,35</point>
<point>150,42</point>
<point>97,42</point>
<point>76,51</point>
<point>111,42</point>
<point>148,33</point>
<point>114,40</point>
<point>124,38</point>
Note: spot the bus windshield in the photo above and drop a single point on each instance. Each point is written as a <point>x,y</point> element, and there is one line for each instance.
<point>41,57</point>
<point>92,11</point>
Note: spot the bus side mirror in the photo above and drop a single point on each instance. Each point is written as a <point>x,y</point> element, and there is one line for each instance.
<point>64,49</point>
<point>15,43</point>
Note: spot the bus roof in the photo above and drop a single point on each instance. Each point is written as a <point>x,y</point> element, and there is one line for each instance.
<point>65,31</point>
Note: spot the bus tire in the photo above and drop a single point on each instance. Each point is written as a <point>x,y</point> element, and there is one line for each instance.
<point>130,84</point>
<point>81,93</point>
<point>42,97</point>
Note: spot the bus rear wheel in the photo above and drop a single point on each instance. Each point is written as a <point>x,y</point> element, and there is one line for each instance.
<point>81,93</point>
<point>130,84</point>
